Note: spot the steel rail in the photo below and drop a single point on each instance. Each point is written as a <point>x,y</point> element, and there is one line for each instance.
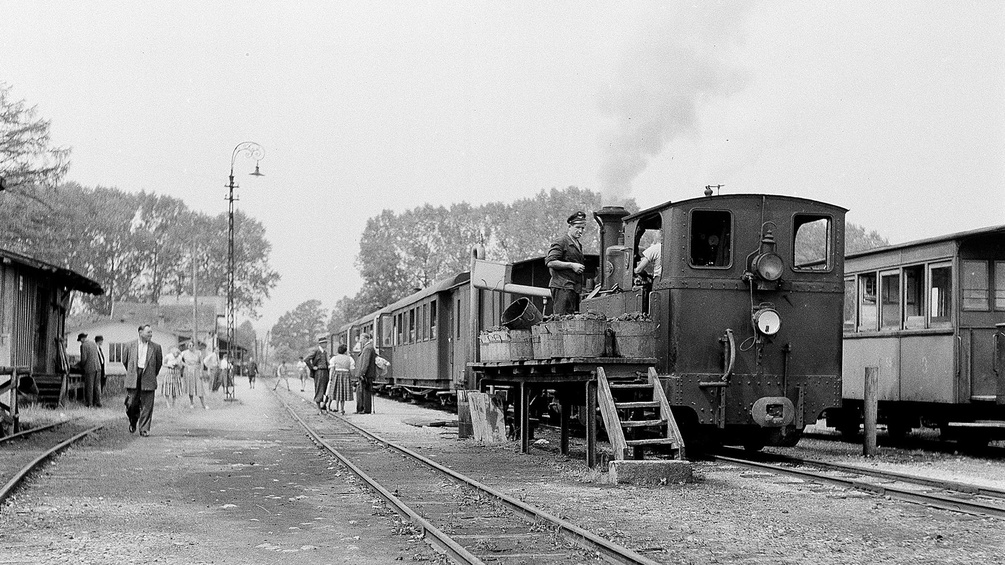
<point>26,433</point>
<point>927,499</point>
<point>23,472</point>
<point>607,549</point>
<point>429,532</point>
<point>967,488</point>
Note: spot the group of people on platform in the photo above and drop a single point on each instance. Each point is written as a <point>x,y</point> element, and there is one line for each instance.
<point>333,376</point>
<point>189,373</point>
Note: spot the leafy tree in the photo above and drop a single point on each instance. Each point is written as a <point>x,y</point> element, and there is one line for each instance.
<point>856,238</point>
<point>245,335</point>
<point>298,328</point>
<point>29,164</point>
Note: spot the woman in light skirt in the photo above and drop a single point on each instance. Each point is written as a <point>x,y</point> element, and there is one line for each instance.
<point>191,362</point>
<point>340,385</point>
<point>169,378</point>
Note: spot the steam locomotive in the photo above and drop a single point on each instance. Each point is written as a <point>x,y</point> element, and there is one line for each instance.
<point>749,307</point>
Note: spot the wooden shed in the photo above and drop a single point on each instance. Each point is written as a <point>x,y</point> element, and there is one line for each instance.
<point>34,300</point>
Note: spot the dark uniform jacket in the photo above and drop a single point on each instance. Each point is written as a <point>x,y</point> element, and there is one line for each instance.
<point>566,249</point>
<point>317,360</point>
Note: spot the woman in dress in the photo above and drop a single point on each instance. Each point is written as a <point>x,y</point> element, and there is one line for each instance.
<point>169,378</point>
<point>191,362</point>
<point>340,385</point>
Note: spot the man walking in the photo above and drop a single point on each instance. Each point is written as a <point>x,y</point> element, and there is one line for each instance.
<point>142,359</point>
<point>90,366</point>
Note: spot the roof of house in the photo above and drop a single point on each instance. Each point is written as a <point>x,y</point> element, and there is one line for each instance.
<point>176,318</point>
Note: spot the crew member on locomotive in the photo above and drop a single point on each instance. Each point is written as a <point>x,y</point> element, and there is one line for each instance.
<point>651,263</point>
<point>566,263</point>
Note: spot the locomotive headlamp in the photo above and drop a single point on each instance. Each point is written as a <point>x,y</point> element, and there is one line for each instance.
<point>768,266</point>
<point>767,321</point>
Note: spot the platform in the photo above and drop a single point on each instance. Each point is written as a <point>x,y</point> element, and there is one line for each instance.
<point>569,377</point>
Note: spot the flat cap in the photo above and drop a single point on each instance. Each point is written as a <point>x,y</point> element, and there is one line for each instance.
<point>81,336</point>
<point>578,218</point>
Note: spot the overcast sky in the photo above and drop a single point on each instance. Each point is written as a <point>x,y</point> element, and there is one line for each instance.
<point>895,110</point>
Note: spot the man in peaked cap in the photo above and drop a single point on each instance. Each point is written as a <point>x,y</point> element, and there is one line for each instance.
<point>317,362</point>
<point>567,266</point>
<point>90,366</point>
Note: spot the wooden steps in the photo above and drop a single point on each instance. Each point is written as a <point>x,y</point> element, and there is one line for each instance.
<point>637,416</point>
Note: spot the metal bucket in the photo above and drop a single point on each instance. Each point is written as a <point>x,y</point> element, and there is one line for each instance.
<point>521,315</point>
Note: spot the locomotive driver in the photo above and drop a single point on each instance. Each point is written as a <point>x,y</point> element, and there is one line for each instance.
<point>566,263</point>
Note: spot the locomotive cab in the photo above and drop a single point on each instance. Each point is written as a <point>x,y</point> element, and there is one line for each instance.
<point>748,308</point>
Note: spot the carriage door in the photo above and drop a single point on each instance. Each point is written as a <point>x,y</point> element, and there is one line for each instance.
<point>978,328</point>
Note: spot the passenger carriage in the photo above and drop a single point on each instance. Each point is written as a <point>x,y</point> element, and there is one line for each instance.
<point>930,316</point>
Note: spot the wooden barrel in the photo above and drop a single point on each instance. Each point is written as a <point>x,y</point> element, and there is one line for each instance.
<point>547,340</point>
<point>521,345</point>
<point>583,338</point>
<point>634,338</point>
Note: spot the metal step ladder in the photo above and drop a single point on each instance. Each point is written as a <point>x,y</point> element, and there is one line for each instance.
<point>635,408</point>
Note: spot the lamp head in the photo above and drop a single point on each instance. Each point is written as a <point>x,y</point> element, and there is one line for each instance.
<point>256,173</point>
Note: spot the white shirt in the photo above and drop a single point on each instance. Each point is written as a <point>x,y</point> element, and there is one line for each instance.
<point>141,355</point>
<point>655,255</point>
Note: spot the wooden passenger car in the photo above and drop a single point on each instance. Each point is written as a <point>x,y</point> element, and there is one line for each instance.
<point>929,315</point>
<point>748,309</point>
<point>431,335</point>
<point>34,300</point>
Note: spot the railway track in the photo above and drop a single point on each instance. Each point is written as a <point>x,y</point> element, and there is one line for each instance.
<point>468,521</point>
<point>947,495</point>
<point>21,458</point>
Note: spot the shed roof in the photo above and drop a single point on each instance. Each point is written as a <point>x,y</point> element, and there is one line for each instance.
<point>71,279</point>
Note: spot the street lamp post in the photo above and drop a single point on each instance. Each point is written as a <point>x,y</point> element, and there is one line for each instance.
<point>256,152</point>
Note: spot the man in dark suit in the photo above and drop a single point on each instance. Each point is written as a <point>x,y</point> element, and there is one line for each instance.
<point>90,366</point>
<point>317,362</point>
<point>100,342</point>
<point>367,372</point>
<point>143,359</point>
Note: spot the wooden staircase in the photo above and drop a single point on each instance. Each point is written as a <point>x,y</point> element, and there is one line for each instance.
<point>639,410</point>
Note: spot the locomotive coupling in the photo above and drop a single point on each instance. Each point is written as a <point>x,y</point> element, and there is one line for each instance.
<point>773,412</point>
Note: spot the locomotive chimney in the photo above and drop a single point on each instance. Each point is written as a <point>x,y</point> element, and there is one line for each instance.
<point>612,233</point>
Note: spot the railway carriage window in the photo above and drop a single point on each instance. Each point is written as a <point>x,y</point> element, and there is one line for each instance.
<point>386,331</point>
<point>975,285</point>
<point>115,351</point>
<point>457,319</point>
<point>711,238</point>
<point>432,320</point>
<point>411,326</point>
<point>811,243</point>
<point>941,292</point>
<point>868,314</point>
<point>999,285</point>
<point>889,317</point>
<point>914,297</point>
<point>849,305</point>
<point>423,315</point>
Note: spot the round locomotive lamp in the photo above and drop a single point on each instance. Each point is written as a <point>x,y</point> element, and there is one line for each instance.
<point>768,266</point>
<point>767,321</point>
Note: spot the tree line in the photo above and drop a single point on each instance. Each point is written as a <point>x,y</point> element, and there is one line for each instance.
<point>137,246</point>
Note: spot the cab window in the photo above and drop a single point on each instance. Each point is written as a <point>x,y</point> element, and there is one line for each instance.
<point>811,242</point>
<point>711,238</point>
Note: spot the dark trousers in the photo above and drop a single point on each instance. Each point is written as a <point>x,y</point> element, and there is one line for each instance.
<point>140,408</point>
<point>320,385</point>
<point>564,301</point>
<point>364,397</point>
<point>92,388</point>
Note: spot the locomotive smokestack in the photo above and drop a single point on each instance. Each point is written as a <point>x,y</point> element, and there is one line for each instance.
<point>609,218</point>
